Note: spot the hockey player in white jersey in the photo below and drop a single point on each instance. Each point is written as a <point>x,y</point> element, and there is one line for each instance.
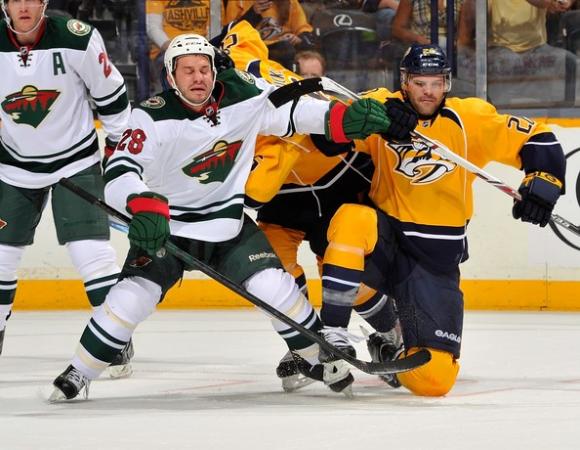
<point>181,169</point>
<point>50,67</point>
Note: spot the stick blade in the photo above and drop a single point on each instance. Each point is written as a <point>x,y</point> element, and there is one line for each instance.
<point>410,362</point>
<point>292,91</point>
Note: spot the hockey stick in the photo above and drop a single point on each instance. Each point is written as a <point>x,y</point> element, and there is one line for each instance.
<point>376,368</point>
<point>329,85</point>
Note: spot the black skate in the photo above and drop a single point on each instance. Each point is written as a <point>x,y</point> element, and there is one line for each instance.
<point>386,346</point>
<point>336,374</point>
<point>292,378</point>
<point>121,365</point>
<point>1,340</point>
<point>69,385</point>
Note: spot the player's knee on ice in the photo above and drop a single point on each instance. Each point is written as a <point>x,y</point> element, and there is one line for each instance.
<point>434,379</point>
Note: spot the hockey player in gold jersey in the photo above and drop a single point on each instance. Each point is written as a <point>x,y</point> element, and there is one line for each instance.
<point>410,244</point>
<point>298,189</point>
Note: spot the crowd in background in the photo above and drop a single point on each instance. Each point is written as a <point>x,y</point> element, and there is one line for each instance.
<point>532,44</point>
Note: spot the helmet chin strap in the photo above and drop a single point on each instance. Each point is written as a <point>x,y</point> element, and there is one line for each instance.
<point>9,22</point>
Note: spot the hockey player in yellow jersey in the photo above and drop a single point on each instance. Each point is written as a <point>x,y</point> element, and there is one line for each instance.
<point>411,243</point>
<point>298,189</point>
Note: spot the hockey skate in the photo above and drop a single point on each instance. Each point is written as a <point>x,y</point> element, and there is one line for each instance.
<point>69,385</point>
<point>336,374</point>
<point>1,340</point>
<point>121,365</point>
<point>292,378</point>
<point>386,346</point>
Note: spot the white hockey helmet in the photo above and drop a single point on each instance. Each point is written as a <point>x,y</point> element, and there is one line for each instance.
<point>188,44</point>
<point>9,23</point>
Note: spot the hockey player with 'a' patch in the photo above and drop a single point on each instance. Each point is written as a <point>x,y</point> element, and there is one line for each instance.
<point>180,169</point>
<point>48,66</point>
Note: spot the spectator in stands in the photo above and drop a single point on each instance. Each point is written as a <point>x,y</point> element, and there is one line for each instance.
<point>412,21</point>
<point>167,19</point>
<point>522,67</point>
<point>282,25</point>
<point>385,12</point>
<point>310,64</point>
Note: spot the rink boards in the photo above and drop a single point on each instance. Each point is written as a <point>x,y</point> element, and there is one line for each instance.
<point>512,266</point>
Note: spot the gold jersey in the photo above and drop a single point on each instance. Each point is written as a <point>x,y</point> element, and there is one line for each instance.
<point>430,198</point>
<point>291,165</point>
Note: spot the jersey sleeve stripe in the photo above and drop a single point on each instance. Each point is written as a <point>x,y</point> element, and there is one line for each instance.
<point>116,172</point>
<point>115,107</point>
<point>120,90</point>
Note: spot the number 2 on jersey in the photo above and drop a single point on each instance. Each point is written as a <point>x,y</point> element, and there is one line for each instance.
<point>522,124</point>
<point>104,60</point>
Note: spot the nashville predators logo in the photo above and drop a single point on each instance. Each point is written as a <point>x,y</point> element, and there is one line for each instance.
<point>418,163</point>
<point>214,165</point>
<point>270,30</point>
<point>29,106</point>
<point>187,15</point>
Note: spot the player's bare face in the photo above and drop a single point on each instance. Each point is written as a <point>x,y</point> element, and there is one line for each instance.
<point>425,93</point>
<point>194,77</point>
<point>24,14</point>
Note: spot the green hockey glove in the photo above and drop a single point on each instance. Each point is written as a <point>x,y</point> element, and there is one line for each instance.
<point>356,121</point>
<point>149,228</point>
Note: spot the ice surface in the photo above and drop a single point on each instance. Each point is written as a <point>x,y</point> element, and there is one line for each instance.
<point>205,380</point>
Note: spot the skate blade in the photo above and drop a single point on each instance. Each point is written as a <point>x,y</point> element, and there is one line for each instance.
<point>295,382</point>
<point>122,371</point>
<point>391,381</point>
<point>57,396</point>
<point>348,393</point>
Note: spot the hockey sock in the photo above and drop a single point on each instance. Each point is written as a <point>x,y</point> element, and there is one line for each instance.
<point>379,312</point>
<point>129,303</point>
<point>7,293</point>
<point>98,288</point>
<point>96,262</point>
<point>339,289</point>
<point>278,289</point>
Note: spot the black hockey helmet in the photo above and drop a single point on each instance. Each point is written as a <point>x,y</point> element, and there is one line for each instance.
<point>427,59</point>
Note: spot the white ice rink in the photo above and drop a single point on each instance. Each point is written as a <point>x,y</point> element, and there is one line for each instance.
<point>205,380</point>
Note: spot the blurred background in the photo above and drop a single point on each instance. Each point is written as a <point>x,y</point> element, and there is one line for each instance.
<point>519,54</point>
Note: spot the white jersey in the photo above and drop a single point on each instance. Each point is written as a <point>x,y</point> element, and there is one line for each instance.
<point>201,165</point>
<point>48,129</point>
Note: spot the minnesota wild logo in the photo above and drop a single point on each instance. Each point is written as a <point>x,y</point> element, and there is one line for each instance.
<point>29,106</point>
<point>214,165</point>
<point>3,223</point>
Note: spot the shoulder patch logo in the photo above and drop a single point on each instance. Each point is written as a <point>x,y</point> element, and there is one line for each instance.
<point>245,76</point>
<point>3,223</point>
<point>29,106</point>
<point>77,27</point>
<point>153,103</point>
<point>215,164</point>
<point>418,163</point>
